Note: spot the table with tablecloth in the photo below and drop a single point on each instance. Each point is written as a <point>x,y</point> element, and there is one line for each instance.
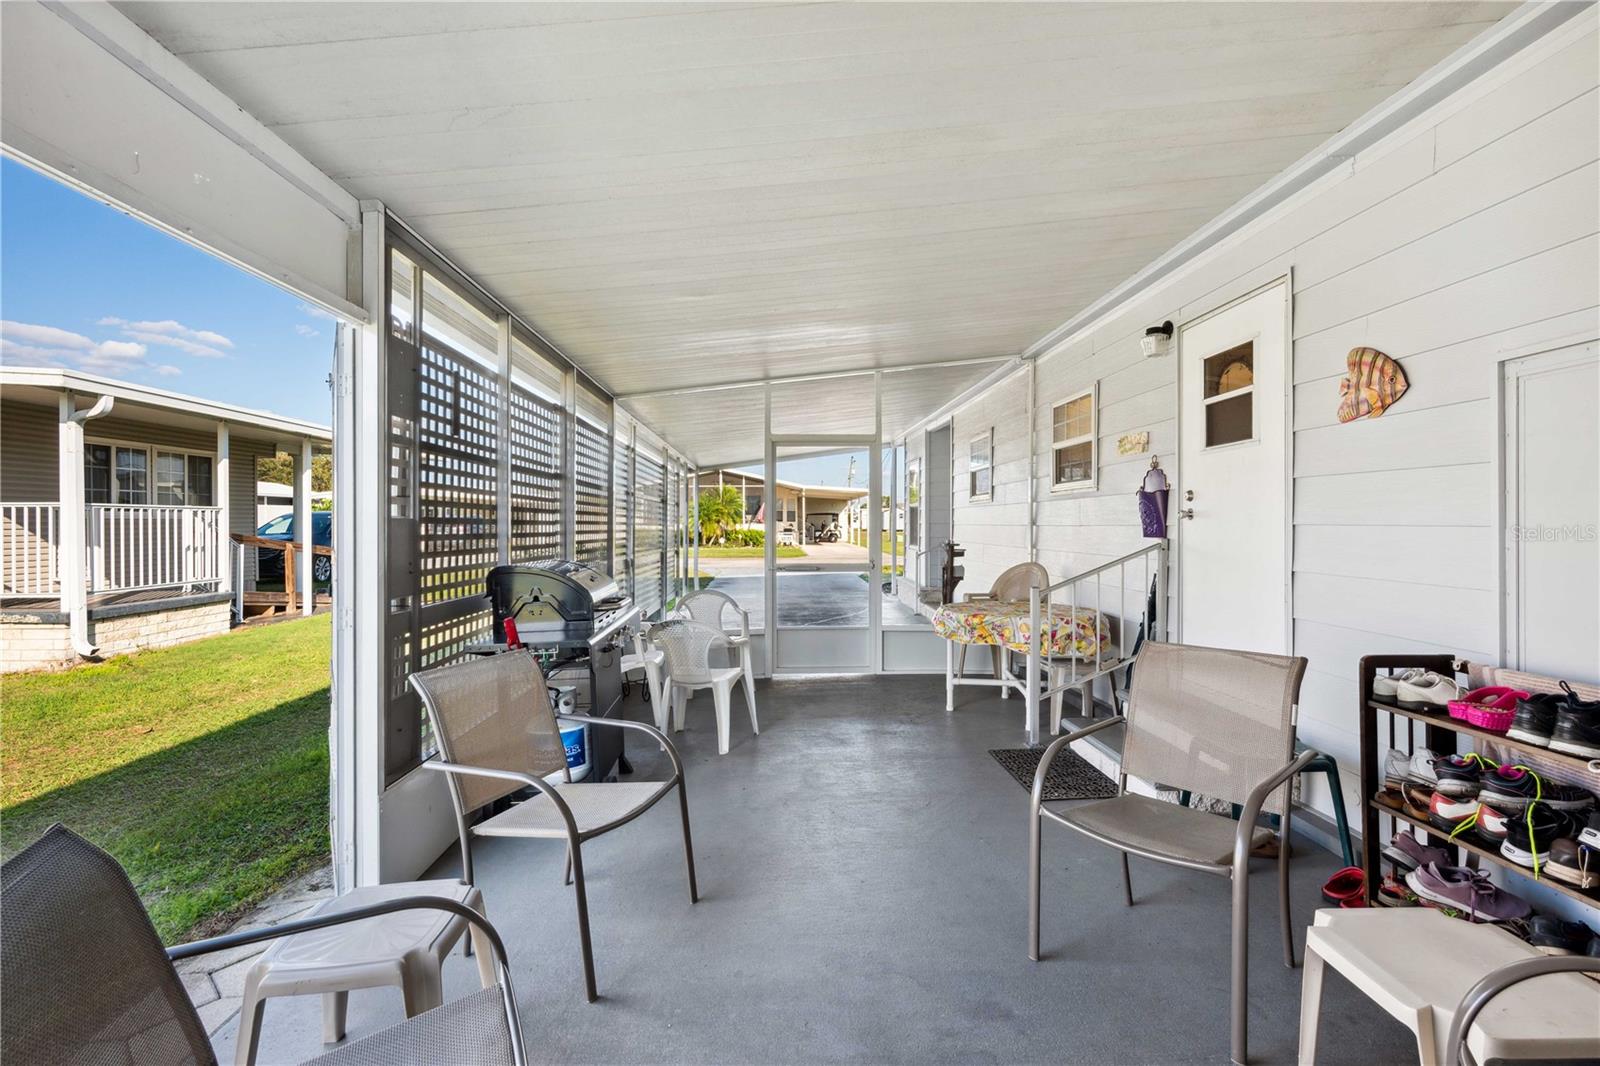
<point>1073,633</point>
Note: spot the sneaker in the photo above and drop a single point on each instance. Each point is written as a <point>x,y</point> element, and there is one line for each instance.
<point>1577,730</point>
<point>1396,769</point>
<point>1419,769</point>
<point>1590,834</point>
<point>1467,890</point>
<point>1384,686</point>
<point>1530,834</point>
<point>1451,814</point>
<point>1461,775</point>
<point>1512,788</point>
<point>1535,719</point>
<point>1408,853</point>
<point>1573,863</point>
<point>1490,826</point>
<point>1431,692</point>
<point>1553,936</point>
<point>1397,893</point>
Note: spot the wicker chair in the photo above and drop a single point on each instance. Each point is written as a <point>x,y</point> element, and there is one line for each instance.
<point>1220,723</point>
<point>1013,584</point>
<point>712,608</point>
<point>688,645</point>
<point>497,733</point>
<point>86,978</point>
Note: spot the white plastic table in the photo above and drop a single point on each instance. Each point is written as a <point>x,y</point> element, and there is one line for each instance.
<point>405,949</point>
<point>1416,964</point>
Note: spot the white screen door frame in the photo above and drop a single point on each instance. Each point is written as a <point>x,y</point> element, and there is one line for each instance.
<point>825,649</point>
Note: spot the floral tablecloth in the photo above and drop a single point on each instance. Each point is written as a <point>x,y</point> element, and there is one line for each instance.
<point>1073,634</point>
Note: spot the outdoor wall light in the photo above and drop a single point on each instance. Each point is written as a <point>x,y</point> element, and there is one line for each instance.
<point>1157,341</point>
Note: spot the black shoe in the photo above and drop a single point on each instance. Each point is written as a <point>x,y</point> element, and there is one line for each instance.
<point>1530,833</point>
<point>1553,936</point>
<point>1511,788</point>
<point>1459,776</point>
<point>1536,718</point>
<point>1577,730</point>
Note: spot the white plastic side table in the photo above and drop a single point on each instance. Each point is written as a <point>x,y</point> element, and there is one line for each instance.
<point>405,949</point>
<point>1416,964</point>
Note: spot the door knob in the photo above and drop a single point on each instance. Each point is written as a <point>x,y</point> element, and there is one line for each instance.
<point>1187,512</point>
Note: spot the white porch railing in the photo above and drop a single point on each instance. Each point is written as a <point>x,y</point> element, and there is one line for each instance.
<point>148,546</point>
<point>30,539</point>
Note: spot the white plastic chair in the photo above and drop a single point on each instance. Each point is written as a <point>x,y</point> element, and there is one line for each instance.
<point>687,645</point>
<point>650,660</point>
<point>710,606</point>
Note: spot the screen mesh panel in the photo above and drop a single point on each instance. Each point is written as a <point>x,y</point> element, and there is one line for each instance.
<point>534,445</point>
<point>592,535</point>
<point>457,404</point>
<point>649,528</point>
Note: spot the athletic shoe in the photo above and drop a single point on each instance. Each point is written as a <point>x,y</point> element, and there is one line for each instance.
<point>1573,863</point>
<point>1384,686</point>
<point>1530,834</point>
<point>1431,692</point>
<point>1451,814</point>
<point>1512,788</point>
<point>1397,893</point>
<point>1490,826</point>
<point>1535,719</point>
<point>1577,730</point>
<point>1590,834</point>
<point>1419,769</point>
<point>1467,890</point>
<point>1461,776</point>
<point>1553,936</point>
<point>1408,853</point>
<point>1396,769</point>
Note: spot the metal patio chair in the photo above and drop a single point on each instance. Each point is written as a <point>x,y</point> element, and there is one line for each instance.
<point>497,734</point>
<point>688,645</point>
<point>87,980</point>
<point>1013,584</point>
<point>1221,723</point>
<point>711,607</point>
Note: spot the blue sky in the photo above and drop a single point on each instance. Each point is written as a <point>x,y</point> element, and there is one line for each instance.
<point>85,286</point>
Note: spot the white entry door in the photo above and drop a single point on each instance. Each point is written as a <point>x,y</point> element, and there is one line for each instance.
<point>1230,505</point>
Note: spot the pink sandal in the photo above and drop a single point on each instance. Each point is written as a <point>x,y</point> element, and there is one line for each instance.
<point>1490,709</point>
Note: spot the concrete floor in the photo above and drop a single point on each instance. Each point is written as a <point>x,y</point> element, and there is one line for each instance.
<point>862,871</point>
<point>824,599</point>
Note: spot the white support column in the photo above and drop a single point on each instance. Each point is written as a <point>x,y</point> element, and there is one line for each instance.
<point>74,540</point>
<point>221,486</point>
<point>303,526</point>
<point>694,572</point>
<point>874,517</point>
<point>502,417</point>
<point>1033,461</point>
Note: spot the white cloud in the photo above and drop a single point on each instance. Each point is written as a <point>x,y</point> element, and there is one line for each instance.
<point>306,331</point>
<point>29,344</point>
<point>203,343</point>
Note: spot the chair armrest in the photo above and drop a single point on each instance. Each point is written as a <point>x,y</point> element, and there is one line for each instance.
<point>1497,981</point>
<point>474,919</point>
<point>538,783</point>
<point>744,623</point>
<point>1243,835</point>
<point>623,723</point>
<point>1056,745</point>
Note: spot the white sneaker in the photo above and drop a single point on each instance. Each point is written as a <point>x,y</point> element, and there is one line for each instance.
<point>1384,686</point>
<point>1396,769</point>
<point>1431,692</point>
<point>1420,769</point>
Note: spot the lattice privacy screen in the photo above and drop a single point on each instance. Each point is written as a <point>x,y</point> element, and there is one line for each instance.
<point>649,528</point>
<point>592,532</point>
<point>534,442</point>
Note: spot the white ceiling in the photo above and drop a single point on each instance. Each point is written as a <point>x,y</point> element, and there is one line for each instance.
<point>691,194</point>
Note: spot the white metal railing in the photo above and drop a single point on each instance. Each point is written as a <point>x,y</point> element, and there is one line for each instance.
<point>30,542</point>
<point>147,546</point>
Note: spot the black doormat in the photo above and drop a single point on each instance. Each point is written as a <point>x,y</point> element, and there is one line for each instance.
<point>1071,777</point>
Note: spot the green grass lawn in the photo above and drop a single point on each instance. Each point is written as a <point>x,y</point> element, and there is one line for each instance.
<point>725,551</point>
<point>202,768</point>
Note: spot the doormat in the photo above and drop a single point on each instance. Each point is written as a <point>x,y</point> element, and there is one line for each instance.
<point>1071,776</point>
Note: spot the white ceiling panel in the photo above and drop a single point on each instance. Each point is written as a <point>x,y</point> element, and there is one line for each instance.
<point>688,194</point>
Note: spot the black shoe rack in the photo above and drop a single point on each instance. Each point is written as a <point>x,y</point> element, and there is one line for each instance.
<point>1443,735</point>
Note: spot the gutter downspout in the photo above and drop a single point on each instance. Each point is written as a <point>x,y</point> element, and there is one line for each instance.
<point>74,538</point>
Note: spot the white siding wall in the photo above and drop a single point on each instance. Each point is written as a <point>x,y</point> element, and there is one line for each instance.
<point>1469,233</point>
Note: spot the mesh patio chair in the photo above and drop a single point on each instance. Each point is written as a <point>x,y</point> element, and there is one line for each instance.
<point>87,980</point>
<point>688,645</point>
<point>1013,584</point>
<point>497,734</point>
<point>713,608</point>
<point>1222,724</point>
<point>1456,1052</point>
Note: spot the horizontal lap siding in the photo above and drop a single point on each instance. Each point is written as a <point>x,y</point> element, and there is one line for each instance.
<point>1471,233</point>
<point>28,441</point>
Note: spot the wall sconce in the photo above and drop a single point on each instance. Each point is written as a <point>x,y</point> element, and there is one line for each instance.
<point>1157,341</point>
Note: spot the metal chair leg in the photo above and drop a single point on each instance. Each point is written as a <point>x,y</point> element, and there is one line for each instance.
<point>1127,882</point>
<point>1034,862</point>
<point>576,853</point>
<point>1239,986</point>
<point>1283,887</point>
<point>566,874</point>
<point>688,844</point>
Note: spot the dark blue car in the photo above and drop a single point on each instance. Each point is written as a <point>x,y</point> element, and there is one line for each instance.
<point>269,564</point>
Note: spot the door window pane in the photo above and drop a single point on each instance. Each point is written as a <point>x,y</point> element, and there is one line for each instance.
<point>1229,420</point>
<point>169,479</point>
<point>198,493</point>
<point>1230,370</point>
<point>97,473</point>
<point>133,475</point>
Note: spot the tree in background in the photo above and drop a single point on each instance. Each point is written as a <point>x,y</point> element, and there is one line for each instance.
<point>720,513</point>
<point>280,469</point>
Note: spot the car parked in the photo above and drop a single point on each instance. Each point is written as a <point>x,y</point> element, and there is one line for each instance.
<point>269,563</point>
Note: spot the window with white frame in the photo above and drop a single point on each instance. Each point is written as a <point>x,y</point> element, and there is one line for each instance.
<point>122,473</point>
<point>980,466</point>
<point>1072,441</point>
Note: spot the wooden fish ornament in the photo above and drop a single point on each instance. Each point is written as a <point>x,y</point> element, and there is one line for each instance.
<point>1372,383</point>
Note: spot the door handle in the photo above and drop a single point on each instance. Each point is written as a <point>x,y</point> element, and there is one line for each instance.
<point>1187,512</point>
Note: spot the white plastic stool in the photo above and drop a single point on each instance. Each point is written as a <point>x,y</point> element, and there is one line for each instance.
<point>1417,964</point>
<point>405,949</point>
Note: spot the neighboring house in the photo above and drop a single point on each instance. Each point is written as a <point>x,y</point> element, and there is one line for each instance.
<point>117,502</point>
<point>275,499</point>
<point>801,508</point>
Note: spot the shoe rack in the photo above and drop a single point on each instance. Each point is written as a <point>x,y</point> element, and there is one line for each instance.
<point>1442,734</point>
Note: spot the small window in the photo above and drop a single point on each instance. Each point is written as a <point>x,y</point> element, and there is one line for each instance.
<point>1229,396</point>
<point>1072,441</point>
<point>980,467</point>
<point>132,475</point>
<point>913,501</point>
<point>198,492</point>
<point>170,471</point>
